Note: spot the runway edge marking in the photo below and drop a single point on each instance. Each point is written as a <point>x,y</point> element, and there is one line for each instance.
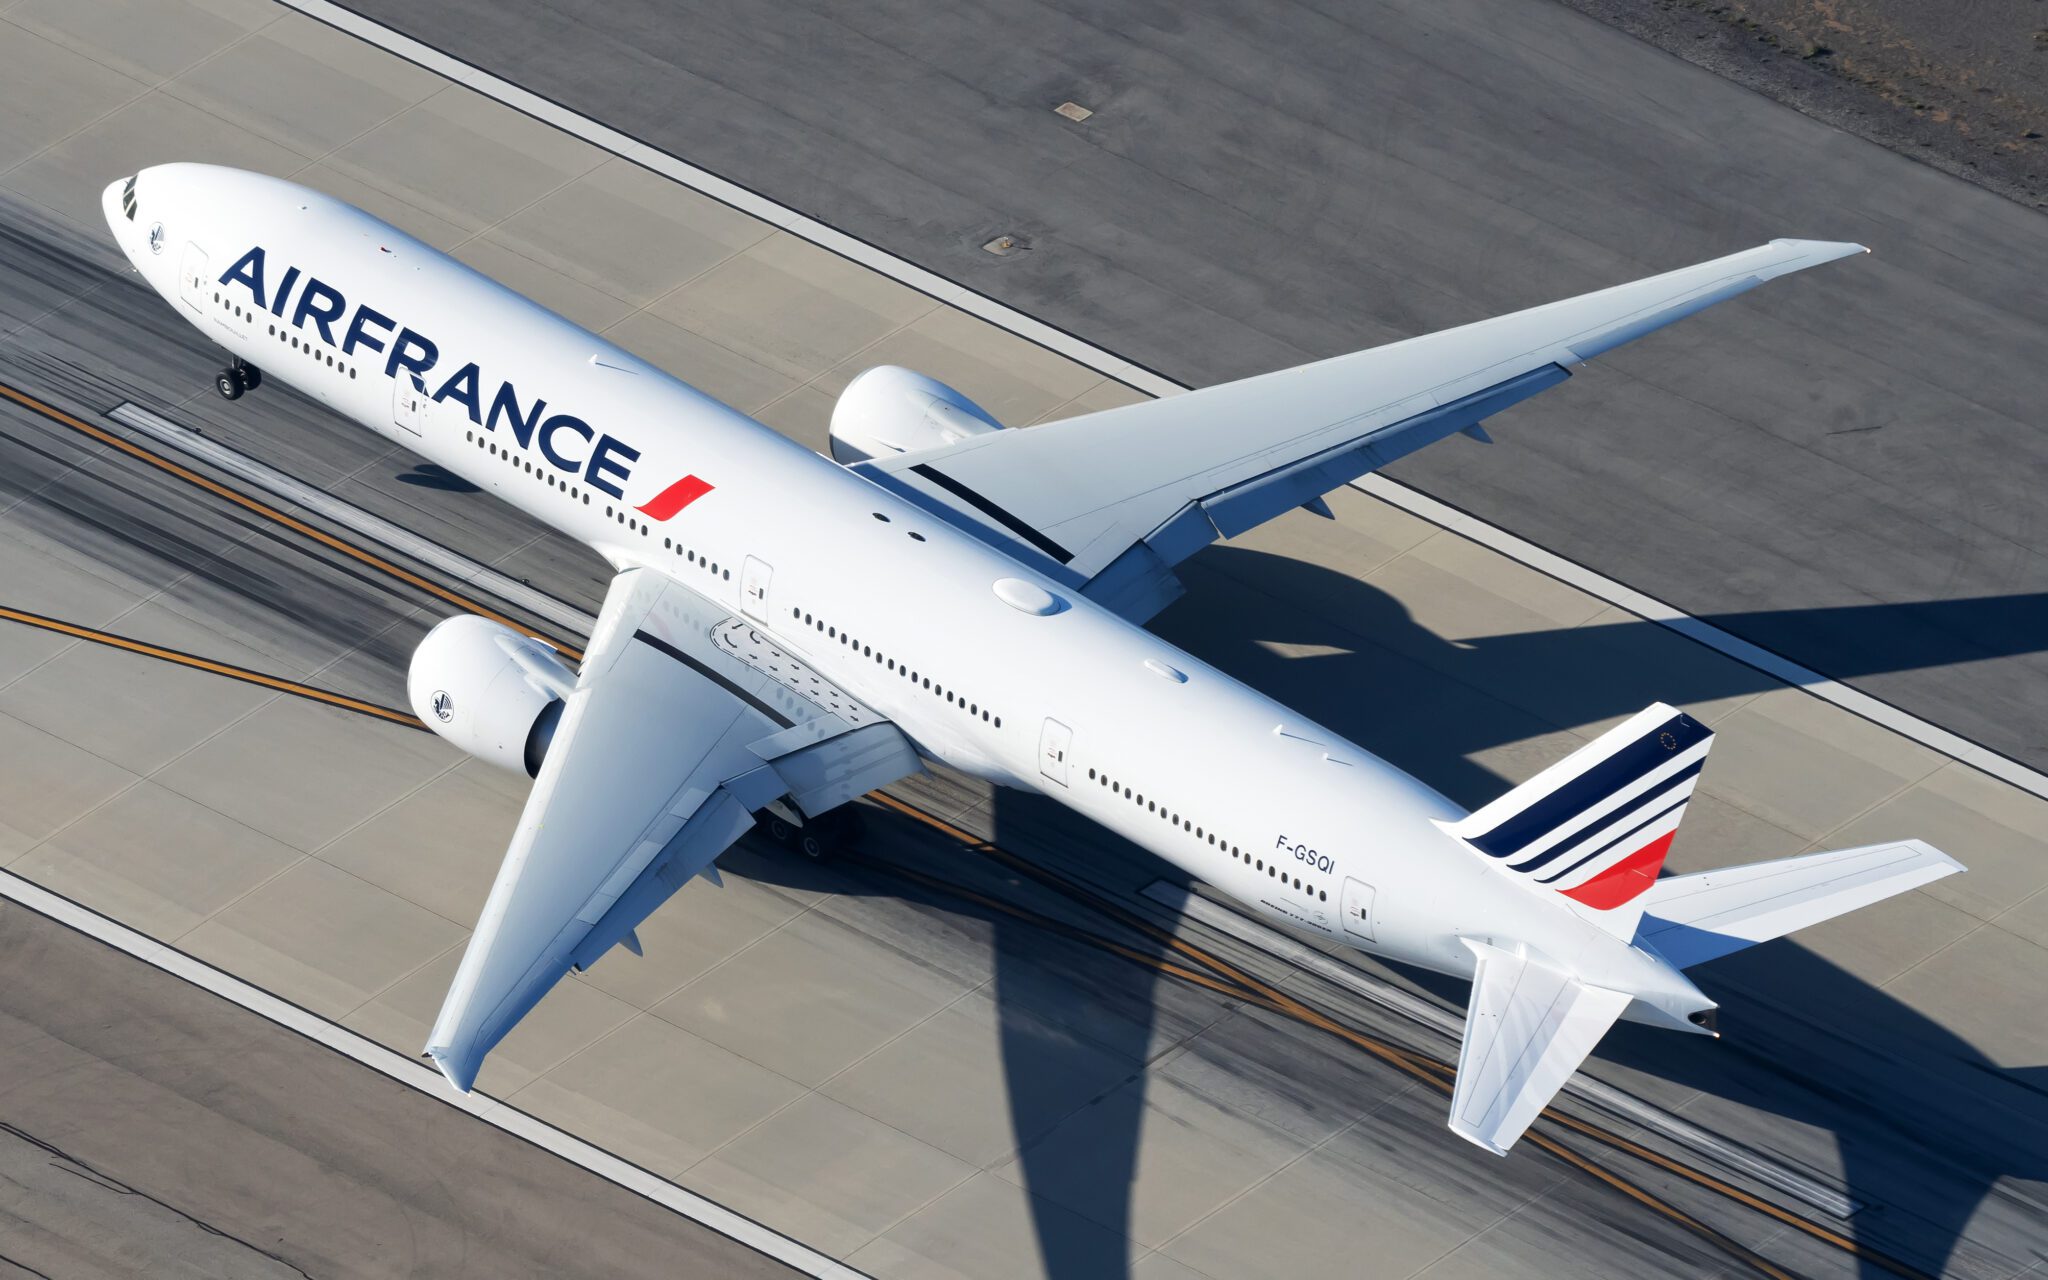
<point>422,1078</point>
<point>1411,500</point>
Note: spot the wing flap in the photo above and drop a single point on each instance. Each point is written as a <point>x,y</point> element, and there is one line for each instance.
<point>1529,1027</point>
<point>723,818</point>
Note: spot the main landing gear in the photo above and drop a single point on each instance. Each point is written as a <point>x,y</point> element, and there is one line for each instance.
<point>238,377</point>
<point>821,837</point>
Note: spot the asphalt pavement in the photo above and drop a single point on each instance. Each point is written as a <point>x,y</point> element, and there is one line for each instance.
<point>898,1071</point>
<point>1845,468</point>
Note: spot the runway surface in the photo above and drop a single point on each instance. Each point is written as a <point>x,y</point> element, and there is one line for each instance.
<point>153,1128</point>
<point>930,1060</point>
<point>1843,468</point>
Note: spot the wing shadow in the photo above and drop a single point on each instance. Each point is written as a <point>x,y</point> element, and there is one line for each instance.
<point>1075,1027</point>
<point>1925,1126</point>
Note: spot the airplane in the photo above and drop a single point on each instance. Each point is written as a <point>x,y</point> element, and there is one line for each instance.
<point>787,631</point>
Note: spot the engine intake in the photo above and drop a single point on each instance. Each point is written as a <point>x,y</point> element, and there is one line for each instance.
<point>488,689</point>
<point>890,410</point>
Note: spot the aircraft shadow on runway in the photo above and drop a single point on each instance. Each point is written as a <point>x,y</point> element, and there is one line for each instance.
<point>1073,1068</point>
<point>1926,1127</point>
<point>1923,1125</point>
<point>428,476</point>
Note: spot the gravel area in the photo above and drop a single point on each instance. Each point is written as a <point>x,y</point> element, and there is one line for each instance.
<point>1960,84</point>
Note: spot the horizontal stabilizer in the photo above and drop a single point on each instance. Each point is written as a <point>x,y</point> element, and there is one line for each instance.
<point>1692,919</point>
<point>1529,1027</point>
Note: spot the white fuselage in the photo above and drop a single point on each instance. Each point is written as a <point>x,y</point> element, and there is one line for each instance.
<point>895,606</point>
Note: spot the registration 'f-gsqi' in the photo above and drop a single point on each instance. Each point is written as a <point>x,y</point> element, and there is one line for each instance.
<point>788,631</point>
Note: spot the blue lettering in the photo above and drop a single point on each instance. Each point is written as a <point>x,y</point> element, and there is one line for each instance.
<point>462,388</point>
<point>507,402</point>
<point>249,270</point>
<point>322,305</point>
<point>284,290</point>
<point>561,422</point>
<point>601,461</point>
<point>410,351</point>
<point>358,334</point>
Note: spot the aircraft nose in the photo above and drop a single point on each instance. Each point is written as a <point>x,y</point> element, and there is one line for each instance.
<point>118,204</point>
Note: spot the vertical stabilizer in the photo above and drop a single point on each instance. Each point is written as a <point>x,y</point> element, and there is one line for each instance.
<point>1594,827</point>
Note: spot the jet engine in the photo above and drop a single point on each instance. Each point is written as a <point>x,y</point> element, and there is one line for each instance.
<point>488,689</point>
<point>890,410</point>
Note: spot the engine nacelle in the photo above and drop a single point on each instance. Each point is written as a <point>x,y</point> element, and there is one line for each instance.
<point>890,410</point>
<point>488,689</point>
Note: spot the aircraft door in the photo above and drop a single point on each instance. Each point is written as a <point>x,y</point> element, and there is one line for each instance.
<point>1053,745</point>
<point>754,588</point>
<point>408,402</point>
<point>1357,903</point>
<point>193,278</point>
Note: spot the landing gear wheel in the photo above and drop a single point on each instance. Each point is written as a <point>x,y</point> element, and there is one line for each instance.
<point>252,377</point>
<point>229,383</point>
<point>778,830</point>
<point>829,834</point>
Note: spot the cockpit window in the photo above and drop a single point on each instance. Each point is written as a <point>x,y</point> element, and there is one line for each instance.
<point>128,198</point>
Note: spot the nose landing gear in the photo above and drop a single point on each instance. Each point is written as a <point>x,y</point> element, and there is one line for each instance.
<point>237,378</point>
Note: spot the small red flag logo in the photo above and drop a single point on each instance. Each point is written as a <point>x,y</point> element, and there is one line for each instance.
<point>674,498</point>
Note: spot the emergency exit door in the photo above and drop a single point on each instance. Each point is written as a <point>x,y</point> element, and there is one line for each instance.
<point>193,277</point>
<point>408,401</point>
<point>754,588</point>
<point>1053,745</point>
<point>1357,903</point>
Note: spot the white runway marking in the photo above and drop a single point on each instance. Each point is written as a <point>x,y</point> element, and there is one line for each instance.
<point>1111,365</point>
<point>420,1076</point>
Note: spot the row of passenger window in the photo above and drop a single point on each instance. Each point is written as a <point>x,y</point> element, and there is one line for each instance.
<point>293,340</point>
<point>619,514</point>
<point>887,663</point>
<point>522,463</point>
<point>1202,833</point>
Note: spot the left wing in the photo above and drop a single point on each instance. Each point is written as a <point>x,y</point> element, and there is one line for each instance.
<point>1529,1026</point>
<point>1110,501</point>
<point>683,724</point>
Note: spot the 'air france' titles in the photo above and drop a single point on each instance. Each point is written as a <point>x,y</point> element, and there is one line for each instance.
<point>604,461</point>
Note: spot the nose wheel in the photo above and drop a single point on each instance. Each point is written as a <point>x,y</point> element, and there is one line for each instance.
<point>237,378</point>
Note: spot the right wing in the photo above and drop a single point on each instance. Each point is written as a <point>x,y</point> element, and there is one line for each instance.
<point>683,724</point>
<point>1110,501</point>
<point>1527,1030</point>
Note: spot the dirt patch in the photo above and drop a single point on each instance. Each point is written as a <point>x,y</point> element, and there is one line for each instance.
<point>1961,85</point>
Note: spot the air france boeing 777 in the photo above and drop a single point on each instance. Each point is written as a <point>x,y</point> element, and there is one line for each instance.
<point>788,631</point>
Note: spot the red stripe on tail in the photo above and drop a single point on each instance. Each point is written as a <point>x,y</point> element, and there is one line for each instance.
<point>1625,879</point>
<point>674,498</point>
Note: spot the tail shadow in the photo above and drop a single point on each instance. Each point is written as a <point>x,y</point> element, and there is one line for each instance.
<point>1926,1129</point>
